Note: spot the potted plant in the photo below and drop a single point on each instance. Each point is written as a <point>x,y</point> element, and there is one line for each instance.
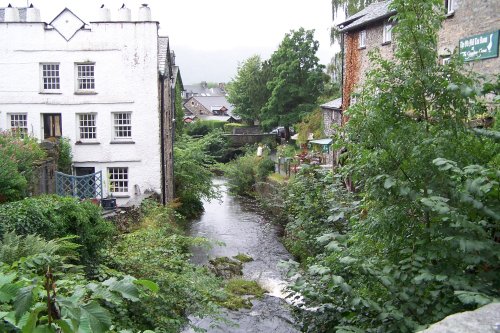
<point>109,202</point>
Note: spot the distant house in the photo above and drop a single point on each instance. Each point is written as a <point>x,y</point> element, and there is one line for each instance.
<point>211,108</point>
<point>332,115</point>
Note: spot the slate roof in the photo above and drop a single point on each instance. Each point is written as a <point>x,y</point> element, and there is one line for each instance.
<point>199,90</point>
<point>374,12</point>
<point>335,104</point>
<point>216,101</point>
<point>22,14</point>
<point>162,54</point>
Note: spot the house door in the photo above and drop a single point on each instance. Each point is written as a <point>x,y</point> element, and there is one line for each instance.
<point>52,127</point>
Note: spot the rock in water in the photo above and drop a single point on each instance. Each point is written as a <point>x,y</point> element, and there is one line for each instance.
<point>225,267</point>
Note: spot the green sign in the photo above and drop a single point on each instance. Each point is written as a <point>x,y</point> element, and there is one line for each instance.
<point>479,47</point>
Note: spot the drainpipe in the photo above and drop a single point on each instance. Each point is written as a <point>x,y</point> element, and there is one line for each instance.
<point>342,79</point>
<point>162,139</point>
<point>172,101</point>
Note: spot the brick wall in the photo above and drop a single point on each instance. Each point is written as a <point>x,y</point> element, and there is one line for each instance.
<point>471,17</point>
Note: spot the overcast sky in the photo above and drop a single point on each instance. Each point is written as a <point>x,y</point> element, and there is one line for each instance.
<point>211,37</point>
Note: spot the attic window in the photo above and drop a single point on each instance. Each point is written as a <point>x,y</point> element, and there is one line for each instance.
<point>362,39</point>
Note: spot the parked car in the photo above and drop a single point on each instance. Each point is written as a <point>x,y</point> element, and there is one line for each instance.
<point>280,131</point>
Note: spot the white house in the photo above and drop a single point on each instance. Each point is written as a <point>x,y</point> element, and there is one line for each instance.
<point>104,85</point>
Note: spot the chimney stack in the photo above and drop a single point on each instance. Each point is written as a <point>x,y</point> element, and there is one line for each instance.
<point>144,13</point>
<point>32,14</point>
<point>104,14</point>
<point>11,14</point>
<point>124,14</point>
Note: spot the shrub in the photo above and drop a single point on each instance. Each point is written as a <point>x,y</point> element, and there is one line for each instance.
<point>247,170</point>
<point>18,155</point>
<point>53,217</point>
<point>203,127</point>
<point>193,179</point>
<point>65,156</point>
<point>228,127</point>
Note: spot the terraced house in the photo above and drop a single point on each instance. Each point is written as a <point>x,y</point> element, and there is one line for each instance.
<point>106,85</point>
<point>471,28</point>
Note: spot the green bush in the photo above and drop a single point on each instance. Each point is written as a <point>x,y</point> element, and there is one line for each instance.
<point>247,170</point>
<point>65,156</point>
<point>228,127</point>
<point>54,217</point>
<point>193,179</point>
<point>18,155</point>
<point>203,127</point>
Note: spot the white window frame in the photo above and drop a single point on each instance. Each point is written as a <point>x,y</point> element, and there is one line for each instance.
<point>387,34</point>
<point>118,178</point>
<point>362,39</point>
<point>85,77</point>
<point>449,6</point>
<point>87,127</point>
<point>50,77</point>
<point>122,126</point>
<point>22,130</point>
<point>445,60</point>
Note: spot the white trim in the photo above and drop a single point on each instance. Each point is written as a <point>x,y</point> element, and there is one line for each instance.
<point>387,32</point>
<point>115,126</point>
<point>50,71</point>
<point>86,80</point>
<point>362,38</point>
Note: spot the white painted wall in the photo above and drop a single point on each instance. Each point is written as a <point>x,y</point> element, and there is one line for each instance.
<point>126,79</point>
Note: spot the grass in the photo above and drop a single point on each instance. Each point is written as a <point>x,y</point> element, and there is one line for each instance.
<point>277,178</point>
<point>238,290</point>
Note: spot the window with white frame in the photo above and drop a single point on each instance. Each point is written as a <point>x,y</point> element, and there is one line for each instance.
<point>445,60</point>
<point>19,123</point>
<point>118,180</point>
<point>362,38</point>
<point>387,38</point>
<point>50,77</point>
<point>87,126</point>
<point>449,6</point>
<point>122,125</point>
<point>85,79</point>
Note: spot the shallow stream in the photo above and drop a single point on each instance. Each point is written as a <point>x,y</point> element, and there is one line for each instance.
<point>243,228</point>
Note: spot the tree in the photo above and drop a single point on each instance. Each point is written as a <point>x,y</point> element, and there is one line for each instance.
<point>422,245</point>
<point>248,92</point>
<point>297,80</point>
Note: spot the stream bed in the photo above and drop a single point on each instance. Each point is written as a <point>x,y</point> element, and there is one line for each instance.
<point>239,224</point>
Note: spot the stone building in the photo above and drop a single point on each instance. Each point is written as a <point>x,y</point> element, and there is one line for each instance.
<point>106,85</point>
<point>210,108</point>
<point>471,27</point>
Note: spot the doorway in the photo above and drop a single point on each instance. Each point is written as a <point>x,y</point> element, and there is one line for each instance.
<point>52,127</point>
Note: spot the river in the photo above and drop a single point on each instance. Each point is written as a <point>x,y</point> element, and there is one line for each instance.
<point>243,228</point>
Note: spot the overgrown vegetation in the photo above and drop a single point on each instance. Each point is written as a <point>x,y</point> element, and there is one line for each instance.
<point>247,170</point>
<point>193,178</point>
<point>159,251</point>
<point>54,217</point>
<point>203,127</point>
<point>17,164</point>
<point>420,241</point>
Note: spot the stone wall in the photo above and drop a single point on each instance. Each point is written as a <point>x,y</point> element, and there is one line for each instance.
<point>471,17</point>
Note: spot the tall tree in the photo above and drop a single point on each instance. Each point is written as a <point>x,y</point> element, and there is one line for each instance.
<point>297,80</point>
<point>248,92</point>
